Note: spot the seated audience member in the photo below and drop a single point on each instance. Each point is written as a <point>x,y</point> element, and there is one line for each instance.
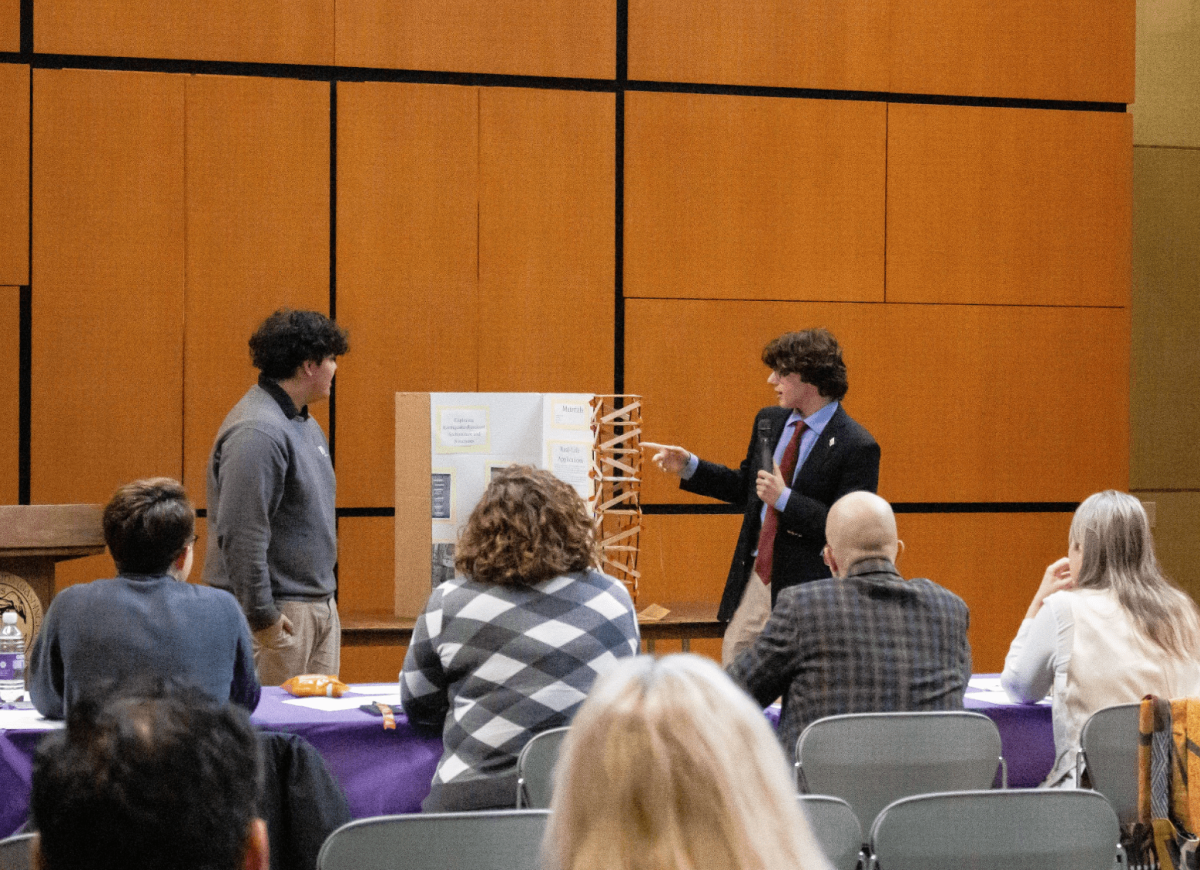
<point>512,647</point>
<point>1105,627</point>
<point>156,778</point>
<point>863,641</point>
<point>147,621</point>
<point>669,766</point>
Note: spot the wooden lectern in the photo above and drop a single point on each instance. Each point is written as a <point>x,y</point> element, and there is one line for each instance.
<point>35,537</point>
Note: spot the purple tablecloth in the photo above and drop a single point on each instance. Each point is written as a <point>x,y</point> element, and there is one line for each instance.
<point>381,771</point>
<point>386,772</point>
<point>1026,738</point>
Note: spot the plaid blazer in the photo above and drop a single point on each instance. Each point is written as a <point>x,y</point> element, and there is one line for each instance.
<point>870,642</point>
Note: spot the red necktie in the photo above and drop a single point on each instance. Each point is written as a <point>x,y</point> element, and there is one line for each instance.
<point>766,538</point>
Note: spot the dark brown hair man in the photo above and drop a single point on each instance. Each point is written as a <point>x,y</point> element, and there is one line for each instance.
<point>272,536</point>
<point>804,455</point>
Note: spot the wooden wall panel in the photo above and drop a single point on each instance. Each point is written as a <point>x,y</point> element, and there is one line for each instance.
<point>108,261</point>
<point>685,558</point>
<point>10,358</point>
<point>1176,519</point>
<point>1012,206</point>
<point>408,205</point>
<point>365,585</point>
<point>993,561</point>
<point>968,403</point>
<point>754,198</point>
<point>1167,108</point>
<point>14,173</point>
<point>546,228</point>
<point>822,44</point>
<point>1069,50</point>
<point>372,664</point>
<point>257,235</point>
<point>85,570</point>
<point>366,577</point>
<point>262,31</point>
<point>10,25</point>
<point>1166,320</point>
<point>517,37</point>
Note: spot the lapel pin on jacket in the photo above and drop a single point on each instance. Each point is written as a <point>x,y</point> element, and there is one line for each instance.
<point>831,440</point>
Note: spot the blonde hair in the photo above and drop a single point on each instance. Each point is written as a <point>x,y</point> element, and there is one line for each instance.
<point>1113,533</point>
<point>670,766</point>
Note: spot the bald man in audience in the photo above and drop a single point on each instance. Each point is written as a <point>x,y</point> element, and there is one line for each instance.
<point>865,640</point>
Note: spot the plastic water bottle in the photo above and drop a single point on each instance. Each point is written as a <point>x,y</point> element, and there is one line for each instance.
<point>12,659</point>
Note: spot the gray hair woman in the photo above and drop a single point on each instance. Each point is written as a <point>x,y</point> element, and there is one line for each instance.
<point>670,766</point>
<point>1105,627</point>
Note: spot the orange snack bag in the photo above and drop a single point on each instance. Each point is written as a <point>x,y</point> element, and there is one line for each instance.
<point>310,685</point>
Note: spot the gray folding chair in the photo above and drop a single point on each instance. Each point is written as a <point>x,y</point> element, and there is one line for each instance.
<point>16,852</point>
<point>535,768</point>
<point>496,840</point>
<point>836,828</point>
<point>872,759</point>
<point>1109,751</point>
<point>1017,829</point>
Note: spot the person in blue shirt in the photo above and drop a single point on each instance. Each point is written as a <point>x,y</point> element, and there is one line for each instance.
<point>147,621</point>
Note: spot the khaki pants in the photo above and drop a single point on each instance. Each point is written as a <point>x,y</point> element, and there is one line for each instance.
<point>748,620</point>
<point>314,647</point>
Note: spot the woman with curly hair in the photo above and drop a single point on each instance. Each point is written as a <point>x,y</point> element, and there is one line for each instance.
<point>511,645</point>
<point>1105,627</point>
<point>670,766</point>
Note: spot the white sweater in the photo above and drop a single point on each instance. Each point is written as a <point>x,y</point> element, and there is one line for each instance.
<point>1085,649</point>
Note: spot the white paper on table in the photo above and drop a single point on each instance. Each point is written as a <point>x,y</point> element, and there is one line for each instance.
<point>392,689</point>
<point>26,720</point>
<point>391,697</point>
<point>985,684</point>
<point>998,698</point>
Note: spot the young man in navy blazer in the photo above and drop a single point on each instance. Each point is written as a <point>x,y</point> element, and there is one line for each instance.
<point>817,454</point>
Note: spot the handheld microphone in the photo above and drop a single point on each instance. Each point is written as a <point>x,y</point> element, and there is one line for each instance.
<point>766,453</point>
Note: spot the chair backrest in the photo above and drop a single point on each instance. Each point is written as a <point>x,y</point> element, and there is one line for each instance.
<point>836,828</point>
<point>535,768</point>
<point>496,840</point>
<point>872,759</point>
<point>16,852</point>
<point>1109,750</point>
<point>1010,829</point>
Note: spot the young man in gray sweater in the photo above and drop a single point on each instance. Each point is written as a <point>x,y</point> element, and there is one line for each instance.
<point>272,538</point>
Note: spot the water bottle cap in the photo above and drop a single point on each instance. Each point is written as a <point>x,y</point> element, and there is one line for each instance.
<point>10,617</point>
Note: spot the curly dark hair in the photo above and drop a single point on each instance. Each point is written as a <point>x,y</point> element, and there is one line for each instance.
<point>288,339</point>
<point>814,355</point>
<point>148,524</point>
<point>528,527</point>
<point>154,775</point>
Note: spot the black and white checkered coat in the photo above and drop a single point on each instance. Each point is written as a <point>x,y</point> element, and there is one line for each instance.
<point>492,665</point>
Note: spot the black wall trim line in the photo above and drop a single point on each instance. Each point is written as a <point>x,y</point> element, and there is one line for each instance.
<point>26,29</point>
<point>944,507</point>
<point>24,390</point>
<point>372,74</point>
<point>913,507</point>
<point>366,512</point>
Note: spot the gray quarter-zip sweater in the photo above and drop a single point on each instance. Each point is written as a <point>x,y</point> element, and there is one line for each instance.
<point>271,495</point>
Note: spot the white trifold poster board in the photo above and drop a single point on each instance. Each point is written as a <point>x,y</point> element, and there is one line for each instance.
<point>474,434</point>
<point>448,446</point>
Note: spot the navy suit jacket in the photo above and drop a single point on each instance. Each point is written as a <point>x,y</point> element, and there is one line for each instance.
<point>844,459</point>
